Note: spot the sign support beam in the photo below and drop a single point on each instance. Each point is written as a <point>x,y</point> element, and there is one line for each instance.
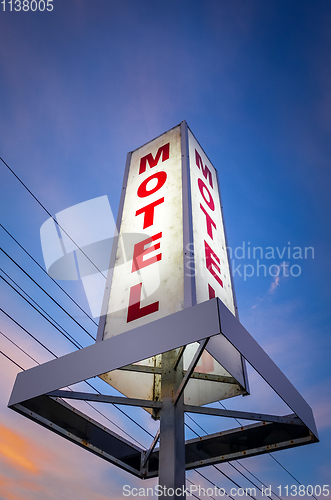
<point>36,395</point>
<point>172,436</point>
<point>190,370</point>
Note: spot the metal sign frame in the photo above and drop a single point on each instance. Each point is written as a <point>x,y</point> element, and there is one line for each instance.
<point>37,395</point>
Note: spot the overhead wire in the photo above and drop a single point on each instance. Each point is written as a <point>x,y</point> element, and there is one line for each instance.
<point>222,472</point>
<point>88,383</point>
<point>192,494</point>
<point>51,216</point>
<point>10,359</point>
<point>212,482</point>
<point>45,272</point>
<point>186,424</point>
<point>205,432</point>
<point>50,319</point>
<point>18,347</point>
<point>38,201</point>
<point>48,295</point>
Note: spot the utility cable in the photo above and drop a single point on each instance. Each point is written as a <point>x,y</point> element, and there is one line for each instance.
<point>214,484</point>
<point>195,422</point>
<point>50,215</point>
<point>213,465</point>
<point>44,271</point>
<point>192,494</point>
<point>19,366</point>
<point>282,466</point>
<point>18,347</point>
<point>66,334</point>
<point>30,334</point>
<point>48,295</point>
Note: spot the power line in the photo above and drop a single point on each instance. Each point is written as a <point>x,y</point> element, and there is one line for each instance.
<point>214,484</point>
<point>10,359</point>
<point>56,222</point>
<point>20,348</point>
<point>251,473</point>
<point>66,334</point>
<point>48,295</point>
<point>213,465</point>
<point>44,271</point>
<point>275,459</point>
<point>121,409</point>
<point>30,334</point>
<point>192,494</point>
<point>73,341</point>
<point>51,216</point>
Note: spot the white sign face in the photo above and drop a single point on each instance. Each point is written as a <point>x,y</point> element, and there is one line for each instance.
<point>212,270</point>
<point>149,283</point>
<point>148,275</point>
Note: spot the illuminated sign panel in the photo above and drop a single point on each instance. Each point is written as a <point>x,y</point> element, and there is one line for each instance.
<point>148,277</point>
<point>212,271</point>
<point>151,275</point>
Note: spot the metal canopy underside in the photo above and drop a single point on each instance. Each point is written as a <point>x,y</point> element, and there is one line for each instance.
<point>36,394</point>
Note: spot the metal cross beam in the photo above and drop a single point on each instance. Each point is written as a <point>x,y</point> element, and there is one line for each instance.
<point>102,398</point>
<point>219,412</point>
<point>190,370</point>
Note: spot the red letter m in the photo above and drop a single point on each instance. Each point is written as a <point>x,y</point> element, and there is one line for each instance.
<point>205,170</point>
<point>164,150</point>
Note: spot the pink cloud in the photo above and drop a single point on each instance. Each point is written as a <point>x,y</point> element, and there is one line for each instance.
<point>274,284</point>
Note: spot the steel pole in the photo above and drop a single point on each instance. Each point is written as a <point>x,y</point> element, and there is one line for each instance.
<point>172,436</point>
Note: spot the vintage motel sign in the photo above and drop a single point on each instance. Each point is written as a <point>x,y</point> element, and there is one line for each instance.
<point>170,254</point>
<point>169,292</point>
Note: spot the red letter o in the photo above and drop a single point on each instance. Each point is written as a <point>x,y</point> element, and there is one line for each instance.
<point>202,187</point>
<point>142,189</point>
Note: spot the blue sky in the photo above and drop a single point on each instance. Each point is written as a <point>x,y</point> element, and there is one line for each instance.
<point>86,83</point>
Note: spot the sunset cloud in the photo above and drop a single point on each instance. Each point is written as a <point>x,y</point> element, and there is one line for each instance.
<point>16,451</point>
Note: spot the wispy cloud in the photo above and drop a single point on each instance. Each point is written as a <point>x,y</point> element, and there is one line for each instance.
<point>16,451</point>
<point>274,285</point>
